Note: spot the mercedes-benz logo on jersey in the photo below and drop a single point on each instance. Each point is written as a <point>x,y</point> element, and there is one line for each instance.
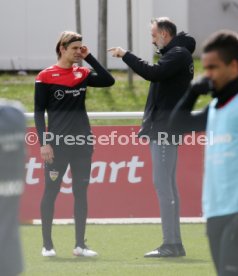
<point>59,94</point>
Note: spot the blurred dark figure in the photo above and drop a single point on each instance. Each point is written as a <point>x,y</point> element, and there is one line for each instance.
<point>12,162</point>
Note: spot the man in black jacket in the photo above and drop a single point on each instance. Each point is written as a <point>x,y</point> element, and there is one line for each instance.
<point>169,79</point>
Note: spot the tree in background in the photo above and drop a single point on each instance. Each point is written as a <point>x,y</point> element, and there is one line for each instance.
<point>129,39</point>
<point>78,21</point>
<point>102,32</point>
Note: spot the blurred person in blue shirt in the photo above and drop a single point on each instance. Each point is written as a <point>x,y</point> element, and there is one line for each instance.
<point>220,121</point>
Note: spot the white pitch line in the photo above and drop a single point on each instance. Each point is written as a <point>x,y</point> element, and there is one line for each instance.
<point>122,221</point>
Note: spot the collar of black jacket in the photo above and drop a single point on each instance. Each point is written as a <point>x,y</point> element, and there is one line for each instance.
<point>182,39</point>
<point>227,92</point>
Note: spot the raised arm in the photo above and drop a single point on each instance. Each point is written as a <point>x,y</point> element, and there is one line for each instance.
<point>182,120</point>
<point>156,72</point>
<point>167,67</point>
<point>100,77</point>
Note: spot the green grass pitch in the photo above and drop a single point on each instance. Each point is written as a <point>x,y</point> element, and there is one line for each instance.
<point>121,249</point>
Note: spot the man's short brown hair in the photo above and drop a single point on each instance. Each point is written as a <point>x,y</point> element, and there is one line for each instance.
<point>65,39</point>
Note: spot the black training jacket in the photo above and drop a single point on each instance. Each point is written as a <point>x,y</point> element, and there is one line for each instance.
<point>169,79</point>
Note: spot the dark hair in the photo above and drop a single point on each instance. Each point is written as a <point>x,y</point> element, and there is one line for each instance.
<point>65,39</point>
<point>225,42</point>
<point>166,24</point>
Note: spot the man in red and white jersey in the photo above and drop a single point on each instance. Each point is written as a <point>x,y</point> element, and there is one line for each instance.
<point>60,90</point>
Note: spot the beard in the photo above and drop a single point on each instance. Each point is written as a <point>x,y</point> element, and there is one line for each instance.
<point>160,44</point>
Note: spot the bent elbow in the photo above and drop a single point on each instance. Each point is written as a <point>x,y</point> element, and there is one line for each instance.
<point>110,82</point>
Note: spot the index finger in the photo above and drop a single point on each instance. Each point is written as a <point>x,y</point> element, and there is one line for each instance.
<point>111,49</point>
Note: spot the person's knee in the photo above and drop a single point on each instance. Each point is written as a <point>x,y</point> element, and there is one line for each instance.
<point>165,193</point>
<point>51,191</point>
<point>80,190</point>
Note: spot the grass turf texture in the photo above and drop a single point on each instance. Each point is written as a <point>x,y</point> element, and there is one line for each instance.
<point>121,249</point>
